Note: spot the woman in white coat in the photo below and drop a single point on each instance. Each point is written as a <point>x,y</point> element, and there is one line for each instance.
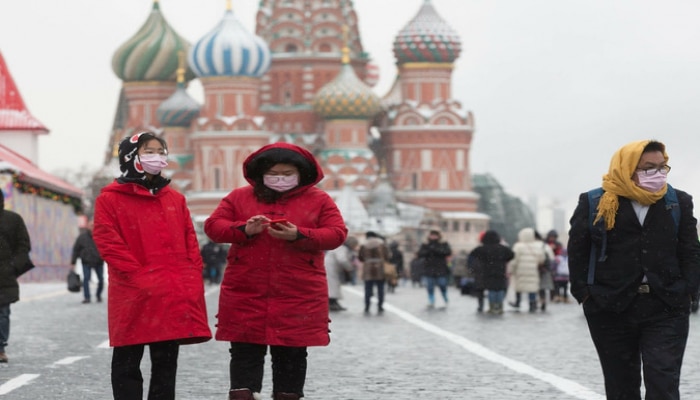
<point>523,270</point>
<point>339,261</point>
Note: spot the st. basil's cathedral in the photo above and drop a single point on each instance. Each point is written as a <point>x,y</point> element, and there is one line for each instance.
<point>394,163</point>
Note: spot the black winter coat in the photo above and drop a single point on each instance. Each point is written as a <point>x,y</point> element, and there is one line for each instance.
<point>14,253</point>
<point>670,261</point>
<point>489,266</point>
<point>85,249</point>
<point>434,254</point>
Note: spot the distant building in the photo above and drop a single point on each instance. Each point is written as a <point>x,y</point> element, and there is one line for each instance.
<point>397,163</point>
<point>49,206</point>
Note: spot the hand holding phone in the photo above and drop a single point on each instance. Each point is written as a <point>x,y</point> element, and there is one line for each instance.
<point>278,221</point>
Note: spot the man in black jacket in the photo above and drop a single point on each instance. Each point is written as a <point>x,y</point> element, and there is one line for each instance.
<point>85,249</point>
<point>637,297</point>
<point>14,253</point>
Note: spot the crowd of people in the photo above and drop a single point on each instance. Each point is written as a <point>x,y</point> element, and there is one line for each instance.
<point>280,251</point>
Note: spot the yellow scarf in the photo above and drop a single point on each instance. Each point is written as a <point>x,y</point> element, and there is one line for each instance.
<point>618,182</point>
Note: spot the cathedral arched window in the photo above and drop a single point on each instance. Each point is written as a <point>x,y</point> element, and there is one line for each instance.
<point>324,48</point>
<point>290,48</point>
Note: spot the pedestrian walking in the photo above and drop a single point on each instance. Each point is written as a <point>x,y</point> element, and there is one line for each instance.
<point>523,268</point>
<point>436,273</point>
<point>417,266</point>
<point>85,249</point>
<point>214,258</point>
<point>634,262</point>
<point>459,269</point>
<point>561,277</point>
<point>14,254</point>
<point>373,254</point>
<point>143,230</point>
<point>274,292</point>
<point>339,262</point>
<point>491,258</point>
<point>397,261</point>
<point>545,270</point>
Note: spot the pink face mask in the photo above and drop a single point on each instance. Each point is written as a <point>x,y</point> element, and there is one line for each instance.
<point>153,163</point>
<point>281,183</point>
<point>651,183</point>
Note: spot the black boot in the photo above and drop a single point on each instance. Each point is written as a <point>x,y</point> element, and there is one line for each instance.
<point>333,305</point>
<point>285,396</point>
<point>240,394</point>
<point>533,306</point>
<point>517,301</point>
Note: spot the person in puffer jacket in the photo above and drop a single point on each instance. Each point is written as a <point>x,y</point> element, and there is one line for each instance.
<point>274,293</point>
<point>144,232</point>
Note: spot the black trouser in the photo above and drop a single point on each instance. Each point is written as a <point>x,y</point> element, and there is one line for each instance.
<point>649,335</point>
<point>288,367</point>
<point>127,382</point>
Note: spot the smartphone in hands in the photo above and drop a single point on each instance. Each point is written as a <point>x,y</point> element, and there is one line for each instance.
<point>278,221</point>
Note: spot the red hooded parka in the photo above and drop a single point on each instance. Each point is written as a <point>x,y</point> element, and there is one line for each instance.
<point>275,291</point>
<point>156,291</point>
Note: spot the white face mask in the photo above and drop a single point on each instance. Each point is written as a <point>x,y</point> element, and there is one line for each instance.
<point>281,183</point>
<point>153,163</point>
<point>652,183</point>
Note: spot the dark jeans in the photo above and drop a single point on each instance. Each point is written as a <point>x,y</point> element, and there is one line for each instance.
<point>99,272</point>
<point>4,326</point>
<point>369,292</point>
<point>127,381</point>
<point>649,335</point>
<point>248,362</point>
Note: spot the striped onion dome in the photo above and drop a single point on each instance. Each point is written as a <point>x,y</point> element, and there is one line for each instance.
<point>179,109</point>
<point>346,97</point>
<point>427,38</point>
<point>151,54</point>
<point>230,50</point>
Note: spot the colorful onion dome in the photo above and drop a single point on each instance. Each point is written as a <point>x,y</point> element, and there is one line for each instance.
<point>179,109</point>
<point>427,38</point>
<point>346,96</point>
<point>230,50</point>
<point>151,54</point>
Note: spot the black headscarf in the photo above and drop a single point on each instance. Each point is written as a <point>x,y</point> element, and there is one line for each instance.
<point>130,165</point>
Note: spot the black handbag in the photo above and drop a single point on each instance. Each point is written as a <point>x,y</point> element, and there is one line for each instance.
<point>74,282</point>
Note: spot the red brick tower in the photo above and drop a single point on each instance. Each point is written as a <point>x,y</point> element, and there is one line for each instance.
<point>425,133</point>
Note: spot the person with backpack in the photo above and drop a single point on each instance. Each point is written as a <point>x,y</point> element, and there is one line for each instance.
<point>634,265</point>
<point>373,254</point>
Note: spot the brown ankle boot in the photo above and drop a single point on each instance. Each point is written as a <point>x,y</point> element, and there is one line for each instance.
<point>240,394</point>
<point>286,396</point>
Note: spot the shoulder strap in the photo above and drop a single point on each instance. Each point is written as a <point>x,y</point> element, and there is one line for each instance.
<point>593,200</point>
<point>671,200</point>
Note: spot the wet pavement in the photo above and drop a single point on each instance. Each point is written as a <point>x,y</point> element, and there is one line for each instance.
<point>58,350</point>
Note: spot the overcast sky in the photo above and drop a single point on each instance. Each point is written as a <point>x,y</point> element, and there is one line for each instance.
<point>556,86</point>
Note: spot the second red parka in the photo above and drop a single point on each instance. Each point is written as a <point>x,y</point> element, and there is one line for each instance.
<point>274,291</point>
<point>156,291</point>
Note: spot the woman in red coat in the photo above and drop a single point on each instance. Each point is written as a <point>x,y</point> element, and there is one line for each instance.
<point>274,292</point>
<point>144,232</point>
